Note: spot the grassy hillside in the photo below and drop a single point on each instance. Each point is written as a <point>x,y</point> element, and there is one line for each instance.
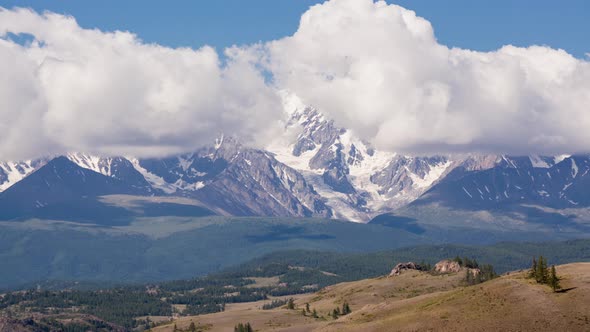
<point>419,301</point>
<point>509,303</point>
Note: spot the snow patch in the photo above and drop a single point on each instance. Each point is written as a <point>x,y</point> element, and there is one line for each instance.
<point>154,180</point>
<point>218,142</point>
<point>284,154</point>
<point>433,175</point>
<point>509,162</point>
<point>180,184</point>
<point>467,192</point>
<point>561,158</point>
<point>574,168</point>
<point>338,202</point>
<point>184,163</point>
<point>93,163</point>
<point>15,171</point>
<point>539,162</point>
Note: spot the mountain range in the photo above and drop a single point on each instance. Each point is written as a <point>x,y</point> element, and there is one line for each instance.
<point>314,169</point>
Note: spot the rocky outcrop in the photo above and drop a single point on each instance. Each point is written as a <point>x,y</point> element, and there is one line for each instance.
<point>474,272</point>
<point>400,267</point>
<point>447,266</point>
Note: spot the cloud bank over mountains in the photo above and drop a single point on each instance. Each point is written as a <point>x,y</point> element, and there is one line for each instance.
<point>373,67</point>
<point>74,89</point>
<point>378,69</point>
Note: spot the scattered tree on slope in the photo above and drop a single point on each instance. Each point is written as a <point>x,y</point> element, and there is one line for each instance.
<point>243,327</point>
<point>544,275</point>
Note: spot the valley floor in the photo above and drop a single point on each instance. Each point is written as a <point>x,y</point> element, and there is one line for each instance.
<point>419,301</point>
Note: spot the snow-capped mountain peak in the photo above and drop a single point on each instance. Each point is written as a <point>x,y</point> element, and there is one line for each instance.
<point>356,180</point>
<point>317,168</point>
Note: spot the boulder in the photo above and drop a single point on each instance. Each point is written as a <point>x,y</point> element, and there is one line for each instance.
<point>447,266</point>
<point>397,270</point>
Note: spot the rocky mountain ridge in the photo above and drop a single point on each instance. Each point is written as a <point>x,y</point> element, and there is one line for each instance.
<point>560,183</point>
<point>315,168</point>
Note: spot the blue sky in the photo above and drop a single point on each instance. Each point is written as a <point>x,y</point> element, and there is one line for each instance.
<point>479,25</point>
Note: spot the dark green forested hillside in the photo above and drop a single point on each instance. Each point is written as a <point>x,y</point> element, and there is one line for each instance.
<point>296,271</point>
<point>169,248</point>
<point>505,256</point>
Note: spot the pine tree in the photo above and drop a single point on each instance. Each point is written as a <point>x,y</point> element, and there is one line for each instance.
<point>533,271</point>
<point>346,308</point>
<point>467,262</point>
<point>422,265</point>
<point>542,271</point>
<point>477,279</point>
<point>315,314</point>
<point>539,273</point>
<point>175,328</point>
<point>468,277</point>
<point>243,328</point>
<point>538,270</point>
<point>334,314</point>
<point>303,312</point>
<point>554,279</point>
<point>192,327</point>
<point>307,307</point>
<point>291,304</point>
<point>545,275</point>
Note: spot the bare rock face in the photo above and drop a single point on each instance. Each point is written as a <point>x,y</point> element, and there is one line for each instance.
<point>397,270</point>
<point>447,266</point>
<point>239,180</point>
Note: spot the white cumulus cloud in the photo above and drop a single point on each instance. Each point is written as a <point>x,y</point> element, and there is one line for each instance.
<point>373,67</point>
<point>75,89</point>
<point>378,69</point>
